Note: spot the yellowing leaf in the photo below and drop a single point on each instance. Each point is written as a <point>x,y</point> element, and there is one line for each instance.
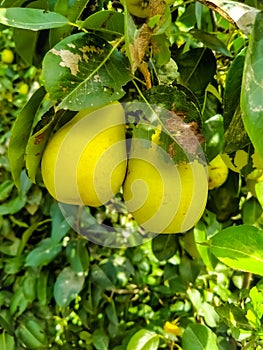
<point>239,162</point>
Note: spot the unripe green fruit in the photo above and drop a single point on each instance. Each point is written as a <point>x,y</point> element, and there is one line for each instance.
<point>85,162</point>
<point>7,56</point>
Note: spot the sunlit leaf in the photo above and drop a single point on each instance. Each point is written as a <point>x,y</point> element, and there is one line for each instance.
<point>33,19</point>
<point>144,340</point>
<point>199,337</point>
<point>240,247</point>
<point>84,70</point>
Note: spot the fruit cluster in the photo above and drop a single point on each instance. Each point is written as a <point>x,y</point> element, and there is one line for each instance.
<point>85,163</point>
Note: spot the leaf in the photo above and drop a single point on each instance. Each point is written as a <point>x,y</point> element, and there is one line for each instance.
<point>144,340</point>
<point>67,286</point>
<point>5,189</point>
<point>26,44</point>
<point>211,41</point>
<point>78,256</point>
<point>251,211</point>
<point>231,97</point>
<point>107,23</point>
<point>36,145</point>
<point>99,277</point>
<point>252,86</point>
<point>199,337</point>
<point>60,227</point>
<point>20,134</point>
<point>72,10</point>
<point>84,70</point>
<point>197,68</point>
<point>165,246</point>
<point>240,247</point>
<point>33,19</point>
<point>233,316</point>
<point>45,252</point>
<point>100,340</point>
<point>7,342</point>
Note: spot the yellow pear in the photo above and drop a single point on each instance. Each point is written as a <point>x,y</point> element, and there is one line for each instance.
<point>217,172</point>
<point>85,161</point>
<point>162,196</point>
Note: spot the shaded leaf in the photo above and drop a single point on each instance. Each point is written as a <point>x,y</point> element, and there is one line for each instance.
<point>36,145</point>
<point>60,226</point>
<point>104,22</point>
<point>67,286</point>
<point>197,68</point>
<point>45,252</point>
<point>144,340</point>
<point>251,211</point>
<point>33,19</point>
<point>211,41</point>
<point>164,246</point>
<point>84,70</point>
<point>20,134</point>
<point>240,247</point>
<point>100,340</point>
<point>231,98</point>
<point>233,316</point>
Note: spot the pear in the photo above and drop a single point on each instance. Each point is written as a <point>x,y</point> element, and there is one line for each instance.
<point>162,196</point>
<point>85,161</point>
<point>217,172</point>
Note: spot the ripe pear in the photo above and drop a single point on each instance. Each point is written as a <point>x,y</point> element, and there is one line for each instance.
<point>162,196</point>
<point>85,161</point>
<point>217,172</point>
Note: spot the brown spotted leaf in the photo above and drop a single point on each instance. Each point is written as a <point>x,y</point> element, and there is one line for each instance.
<point>84,70</point>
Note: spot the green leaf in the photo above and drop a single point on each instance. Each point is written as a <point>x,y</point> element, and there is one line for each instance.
<point>99,277</point>
<point>84,70</point>
<point>7,342</point>
<point>45,252</point>
<point>211,41</point>
<point>36,145</point>
<point>252,86</point>
<point>78,256</point>
<point>231,98</point>
<point>5,189</point>
<point>72,10</point>
<point>60,226</point>
<point>233,316</point>
<point>144,340</point>
<point>107,23</point>
<point>197,68</point>
<point>100,340</point>
<point>251,211</point>
<point>67,286</point>
<point>26,44</point>
<point>240,247</point>
<point>199,337</point>
<point>165,246</point>
<point>20,134</point>
<point>33,19</point>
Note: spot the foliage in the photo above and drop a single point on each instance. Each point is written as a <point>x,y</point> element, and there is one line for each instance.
<point>60,290</point>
